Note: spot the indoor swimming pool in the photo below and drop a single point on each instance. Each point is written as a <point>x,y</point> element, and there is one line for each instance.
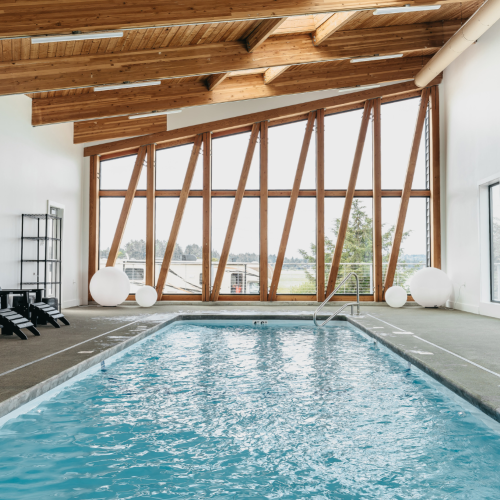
<point>229,410</point>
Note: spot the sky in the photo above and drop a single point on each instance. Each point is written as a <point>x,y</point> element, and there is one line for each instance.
<point>285,142</point>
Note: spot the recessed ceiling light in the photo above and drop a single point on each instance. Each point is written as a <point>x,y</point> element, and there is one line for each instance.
<point>102,88</point>
<point>375,58</point>
<point>406,8</point>
<point>76,36</point>
<point>361,87</point>
<point>156,113</point>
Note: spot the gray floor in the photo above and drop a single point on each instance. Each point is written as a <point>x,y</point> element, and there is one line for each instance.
<point>459,349</point>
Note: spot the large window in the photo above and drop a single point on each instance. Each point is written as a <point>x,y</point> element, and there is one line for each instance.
<point>246,232</point>
<point>495,241</point>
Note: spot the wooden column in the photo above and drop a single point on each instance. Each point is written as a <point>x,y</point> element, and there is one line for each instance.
<point>179,213</point>
<point>377,204</point>
<point>405,197</point>
<point>435,183</point>
<point>264,278</point>
<point>344,221</point>
<point>127,206</point>
<point>320,205</point>
<point>94,217</point>
<point>235,212</point>
<point>150,215</point>
<point>207,216</point>
<point>291,206</point>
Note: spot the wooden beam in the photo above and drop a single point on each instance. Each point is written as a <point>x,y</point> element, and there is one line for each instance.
<point>291,206</point>
<point>334,23</point>
<point>235,212</point>
<point>127,207</point>
<point>117,127</point>
<point>240,121</point>
<point>344,221</point>
<point>207,216</point>
<point>377,203</point>
<point>272,73</point>
<point>405,197</point>
<point>93,219</point>
<point>435,183</point>
<point>320,205</point>
<point>24,17</point>
<point>262,32</point>
<point>175,94</point>
<point>179,213</point>
<point>35,75</point>
<point>150,215</point>
<point>215,80</point>
<point>263,274</point>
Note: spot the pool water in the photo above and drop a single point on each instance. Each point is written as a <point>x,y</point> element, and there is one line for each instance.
<point>231,411</point>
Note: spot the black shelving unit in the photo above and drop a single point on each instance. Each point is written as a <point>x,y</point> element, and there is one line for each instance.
<point>41,253</point>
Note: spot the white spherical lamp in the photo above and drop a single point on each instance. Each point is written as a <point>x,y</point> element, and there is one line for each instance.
<point>396,296</point>
<point>146,296</point>
<point>430,287</point>
<point>109,286</point>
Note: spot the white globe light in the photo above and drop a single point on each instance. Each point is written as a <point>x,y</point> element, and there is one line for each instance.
<point>396,296</point>
<point>146,296</point>
<point>109,286</point>
<point>430,287</point>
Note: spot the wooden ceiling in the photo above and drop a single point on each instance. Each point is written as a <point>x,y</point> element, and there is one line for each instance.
<point>220,58</point>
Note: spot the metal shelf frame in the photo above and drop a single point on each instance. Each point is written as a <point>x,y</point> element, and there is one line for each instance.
<point>49,229</point>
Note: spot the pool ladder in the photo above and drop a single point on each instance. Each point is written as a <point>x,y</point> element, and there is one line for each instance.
<point>352,304</point>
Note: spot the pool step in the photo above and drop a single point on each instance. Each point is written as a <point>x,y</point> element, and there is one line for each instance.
<point>13,323</point>
<point>42,311</point>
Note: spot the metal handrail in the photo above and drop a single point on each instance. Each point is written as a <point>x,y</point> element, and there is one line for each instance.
<point>344,306</point>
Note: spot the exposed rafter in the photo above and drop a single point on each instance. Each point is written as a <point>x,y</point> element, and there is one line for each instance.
<point>263,31</point>
<point>334,23</point>
<point>272,73</point>
<point>25,17</point>
<point>79,71</point>
<point>214,81</point>
<point>173,94</point>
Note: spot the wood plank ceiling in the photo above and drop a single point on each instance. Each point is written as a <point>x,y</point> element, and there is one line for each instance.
<point>208,62</point>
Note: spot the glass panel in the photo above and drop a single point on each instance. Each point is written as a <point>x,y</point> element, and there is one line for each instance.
<point>132,254</point>
<point>171,168</point>
<point>285,145</point>
<point>185,271</point>
<point>242,271</point>
<point>357,254</point>
<point>228,155</point>
<point>298,275</point>
<point>398,128</point>
<point>495,242</point>
<point>341,138</point>
<point>413,251</point>
<point>116,173</point>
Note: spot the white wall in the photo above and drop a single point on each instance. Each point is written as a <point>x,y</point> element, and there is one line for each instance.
<point>470,135</point>
<point>37,165</point>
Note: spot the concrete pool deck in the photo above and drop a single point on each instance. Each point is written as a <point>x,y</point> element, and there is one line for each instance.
<point>459,349</point>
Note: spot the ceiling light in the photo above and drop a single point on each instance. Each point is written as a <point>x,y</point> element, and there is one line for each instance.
<point>126,85</point>
<point>77,36</point>
<point>376,58</point>
<point>156,113</point>
<point>363,87</point>
<point>406,8</point>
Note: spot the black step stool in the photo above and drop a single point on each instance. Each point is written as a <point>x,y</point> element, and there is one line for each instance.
<point>13,322</point>
<point>45,313</point>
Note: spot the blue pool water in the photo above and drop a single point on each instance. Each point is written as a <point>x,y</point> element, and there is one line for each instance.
<point>229,411</point>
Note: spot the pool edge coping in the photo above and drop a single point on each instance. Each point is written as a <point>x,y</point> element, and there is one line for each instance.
<point>28,395</point>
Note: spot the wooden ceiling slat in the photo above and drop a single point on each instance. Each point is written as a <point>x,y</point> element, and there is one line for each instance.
<point>25,49</point>
<point>16,50</point>
<point>139,35</point>
<point>130,36</point>
<point>192,92</point>
<point>28,17</point>
<point>199,35</point>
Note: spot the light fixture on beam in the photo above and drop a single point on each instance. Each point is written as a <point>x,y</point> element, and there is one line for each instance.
<point>76,36</point>
<point>407,8</point>
<point>357,89</point>
<point>156,113</point>
<point>375,58</point>
<point>126,85</point>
